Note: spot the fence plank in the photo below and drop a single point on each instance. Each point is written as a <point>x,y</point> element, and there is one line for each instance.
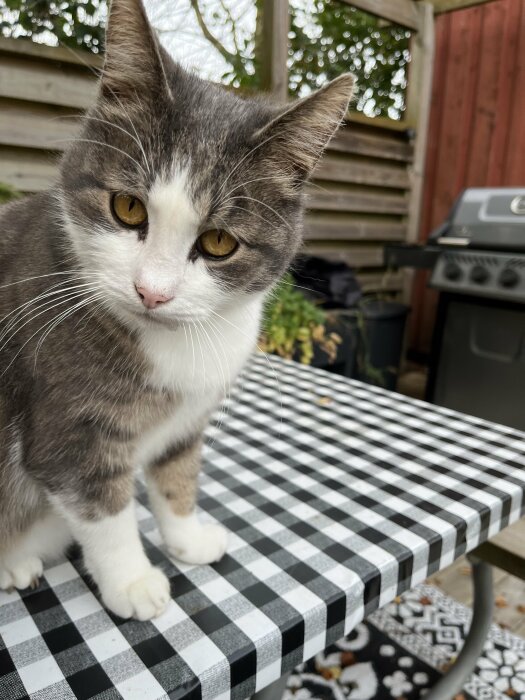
<point>35,126</point>
<point>27,170</point>
<point>28,48</point>
<point>328,227</point>
<point>46,83</point>
<point>351,140</point>
<point>344,199</point>
<point>362,172</point>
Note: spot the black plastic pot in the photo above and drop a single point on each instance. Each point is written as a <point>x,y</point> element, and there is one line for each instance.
<point>382,327</point>
<point>344,323</point>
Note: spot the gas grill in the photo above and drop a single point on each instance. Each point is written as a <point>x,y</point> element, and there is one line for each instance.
<point>477,258</point>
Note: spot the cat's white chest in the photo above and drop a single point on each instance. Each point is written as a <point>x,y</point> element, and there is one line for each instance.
<point>200,366</point>
<point>203,357</point>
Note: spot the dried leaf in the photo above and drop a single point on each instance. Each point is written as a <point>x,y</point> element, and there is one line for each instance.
<point>465,570</point>
<point>425,600</point>
<point>511,692</point>
<point>397,600</point>
<point>459,696</point>
<point>500,601</point>
<point>336,672</point>
<point>326,673</point>
<point>521,609</point>
<point>347,659</point>
<point>325,401</point>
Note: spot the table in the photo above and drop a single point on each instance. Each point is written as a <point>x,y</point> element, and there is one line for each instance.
<point>338,495</point>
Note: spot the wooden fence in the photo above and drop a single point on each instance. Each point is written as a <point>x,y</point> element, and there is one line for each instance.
<point>361,196</point>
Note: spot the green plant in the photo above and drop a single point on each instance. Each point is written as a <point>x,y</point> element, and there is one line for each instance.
<point>293,325</point>
<point>7,193</point>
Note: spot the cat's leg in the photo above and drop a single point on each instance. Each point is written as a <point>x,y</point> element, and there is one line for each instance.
<point>90,483</point>
<point>172,486</point>
<point>114,556</point>
<point>30,533</point>
<point>22,563</point>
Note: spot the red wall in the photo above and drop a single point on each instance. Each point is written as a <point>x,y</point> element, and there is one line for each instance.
<point>477,123</point>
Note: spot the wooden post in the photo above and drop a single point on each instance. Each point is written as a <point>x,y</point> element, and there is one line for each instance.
<point>418,108</point>
<point>274,48</point>
<point>419,95</point>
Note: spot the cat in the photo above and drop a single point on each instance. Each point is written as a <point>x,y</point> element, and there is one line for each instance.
<point>131,295</point>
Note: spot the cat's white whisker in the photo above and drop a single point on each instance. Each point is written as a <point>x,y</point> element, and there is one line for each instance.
<point>62,317</point>
<point>48,307</point>
<point>22,311</point>
<point>24,345</point>
<point>261,351</point>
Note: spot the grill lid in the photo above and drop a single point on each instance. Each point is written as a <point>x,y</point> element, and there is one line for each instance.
<point>485,217</point>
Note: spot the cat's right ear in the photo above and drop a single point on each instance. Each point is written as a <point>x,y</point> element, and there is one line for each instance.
<point>133,57</point>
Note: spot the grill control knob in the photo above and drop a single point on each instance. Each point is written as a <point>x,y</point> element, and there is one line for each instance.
<point>479,274</point>
<point>452,271</point>
<point>509,277</point>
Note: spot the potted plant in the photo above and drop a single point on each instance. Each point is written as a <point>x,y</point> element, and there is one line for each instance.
<point>295,327</point>
<point>7,193</point>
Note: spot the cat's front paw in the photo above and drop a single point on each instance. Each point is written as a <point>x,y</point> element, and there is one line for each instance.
<point>20,572</point>
<point>198,543</point>
<point>144,598</point>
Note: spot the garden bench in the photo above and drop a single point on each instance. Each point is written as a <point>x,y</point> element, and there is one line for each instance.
<point>338,497</point>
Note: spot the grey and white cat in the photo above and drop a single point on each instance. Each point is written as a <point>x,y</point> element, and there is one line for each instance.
<point>130,298</point>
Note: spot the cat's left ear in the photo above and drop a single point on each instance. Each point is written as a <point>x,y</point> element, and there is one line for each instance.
<point>297,137</point>
<point>133,58</point>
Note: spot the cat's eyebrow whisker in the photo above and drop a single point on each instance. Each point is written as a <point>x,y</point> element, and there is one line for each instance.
<point>241,161</point>
<point>253,199</point>
<point>251,213</point>
<point>106,145</point>
<point>126,114</point>
<point>115,126</point>
<point>275,178</point>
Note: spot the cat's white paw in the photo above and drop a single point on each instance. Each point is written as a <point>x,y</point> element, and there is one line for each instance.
<point>198,543</point>
<point>20,573</point>
<point>144,598</point>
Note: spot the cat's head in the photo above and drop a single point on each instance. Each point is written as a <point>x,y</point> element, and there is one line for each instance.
<point>180,197</point>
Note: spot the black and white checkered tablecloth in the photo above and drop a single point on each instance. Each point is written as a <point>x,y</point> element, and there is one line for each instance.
<point>338,496</point>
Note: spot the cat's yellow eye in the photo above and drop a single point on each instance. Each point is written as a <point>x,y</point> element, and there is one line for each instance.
<point>129,210</point>
<point>216,244</point>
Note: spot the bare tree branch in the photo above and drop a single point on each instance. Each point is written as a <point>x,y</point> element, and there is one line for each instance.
<point>227,55</point>
<point>226,9</point>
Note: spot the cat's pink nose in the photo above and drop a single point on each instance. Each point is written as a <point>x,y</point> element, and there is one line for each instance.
<point>150,299</point>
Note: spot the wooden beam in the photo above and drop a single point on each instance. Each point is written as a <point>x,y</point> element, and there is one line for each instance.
<point>418,110</point>
<point>47,83</point>
<point>27,170</point>
<point>351,139</point>
<point>26,47</point>
<point>402,12</point>
<point>32,125</point>
<point>274,48</point>
<point>342,199</point>
<point>362,172</point>
<point>353,227</point>
<point>441,6</point>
